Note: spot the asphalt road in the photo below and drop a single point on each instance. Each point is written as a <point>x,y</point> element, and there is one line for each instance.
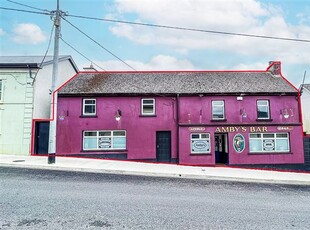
<point>40,199</point>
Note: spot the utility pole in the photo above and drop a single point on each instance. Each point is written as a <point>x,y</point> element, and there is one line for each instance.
<point>53,112</point>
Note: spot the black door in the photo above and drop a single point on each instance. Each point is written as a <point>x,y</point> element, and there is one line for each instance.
<point>41,137</point>
<point>163,146</point>
<point>221,153</point>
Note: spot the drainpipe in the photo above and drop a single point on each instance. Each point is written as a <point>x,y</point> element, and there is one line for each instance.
<point>178,127</point>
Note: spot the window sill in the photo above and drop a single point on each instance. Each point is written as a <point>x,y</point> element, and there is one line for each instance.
<point>200,154</point>
<point>153,115</point>
<point>106,151</point>
<point>269,153</point>
<point>88,116</point>
<point>262,120</point>
<point>218,120</point>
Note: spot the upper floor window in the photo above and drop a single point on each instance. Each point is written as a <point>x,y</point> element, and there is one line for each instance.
<point>89,107</point>
<point>263,111</point>
<point>148,106</point>
<point>218,110</point>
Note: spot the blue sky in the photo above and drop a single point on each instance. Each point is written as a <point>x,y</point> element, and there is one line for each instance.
<point>147,48</point>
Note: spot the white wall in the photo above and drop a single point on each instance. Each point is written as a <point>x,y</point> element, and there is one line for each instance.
<point>305,105</point>
<point>42,97</point>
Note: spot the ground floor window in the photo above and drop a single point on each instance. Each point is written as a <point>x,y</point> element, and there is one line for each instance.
<point>200,143</point>
<point>269,142</point>
<point>104,140</point>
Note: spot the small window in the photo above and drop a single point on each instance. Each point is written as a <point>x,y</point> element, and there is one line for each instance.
<point>89,107</point>
<point>218,110</point>
<point>200,143</point>
<point>148,106</point>
<point>263,109</point>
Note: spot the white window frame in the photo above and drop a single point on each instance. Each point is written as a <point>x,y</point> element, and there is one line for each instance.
<point>109,138</point>
<point>84,106</point>
<point>200,138</point>
<point>267,105</point>
<point>143,103</point>
<point>264,137</point>
<point>222,106</point>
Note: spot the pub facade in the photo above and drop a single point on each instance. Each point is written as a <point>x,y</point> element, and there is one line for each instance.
<point>185,117</point>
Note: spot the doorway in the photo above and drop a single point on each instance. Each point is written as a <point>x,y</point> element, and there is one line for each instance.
<point>41,137</point>
<point>221,148</point>
<point>163,146</point>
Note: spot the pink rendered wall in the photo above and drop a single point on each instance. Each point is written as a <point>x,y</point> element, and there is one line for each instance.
<point>199,109</point>
<point>190,109</point>
<point>140,130</point>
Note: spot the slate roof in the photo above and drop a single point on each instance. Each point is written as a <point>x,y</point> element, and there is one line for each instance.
<point>176,82</point>
<point>31,61</point>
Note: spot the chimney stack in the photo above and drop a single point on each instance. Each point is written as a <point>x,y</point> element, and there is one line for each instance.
<point>274,68</point>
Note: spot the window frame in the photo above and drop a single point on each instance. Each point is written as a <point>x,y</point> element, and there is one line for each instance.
<point>112,137</point>
<point>268,109</point>
<point>263,138</point>
<point>221,106</point>
<point>84,113</point>
<point>208,139</point>
<point>147,104</point>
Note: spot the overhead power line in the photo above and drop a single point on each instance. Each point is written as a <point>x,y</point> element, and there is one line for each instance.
<point>167,26</point>
<point>26,11</point>
<point>99,44</point>
<point>81,53</point>
<point>189,29</point>
<point>31,7</point>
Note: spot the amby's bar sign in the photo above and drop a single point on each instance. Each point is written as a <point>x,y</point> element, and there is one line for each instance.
<point>241,129</point>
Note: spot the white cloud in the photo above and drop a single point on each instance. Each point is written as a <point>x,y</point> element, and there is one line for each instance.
<point>28,33</point>
<point>159,62</point>
<point>241,16</point>
<point>2,32</point>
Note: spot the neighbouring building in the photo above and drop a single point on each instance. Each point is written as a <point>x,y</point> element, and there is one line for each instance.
<point>186,117</point>
<point>25,100</point>
<point>305,105</point>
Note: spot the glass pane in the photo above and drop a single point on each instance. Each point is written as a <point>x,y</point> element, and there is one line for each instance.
<point>90,143</point>
<point>268,135</point>
<point>262,103</point>
<point>119,133</point>
<point>282,135</point>
<point>204,135</point>
<point>119,143</point>
<point>148,101</point>
<point>148,109</point>
<point>255,135</point>
<point>90,102</point>
<point>90,109</point>
<point>218,103</point>
<point>195,136</point>
<point>105,142</point>
<point>200,146</point>
<point>268,145</point>
<point>218,112</point>
<point>103,134</point>
<point>88,134</point>
<point>282,145</point>
<point>255,145</point>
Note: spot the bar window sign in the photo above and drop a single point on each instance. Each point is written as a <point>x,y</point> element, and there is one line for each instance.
<point>200,143</point>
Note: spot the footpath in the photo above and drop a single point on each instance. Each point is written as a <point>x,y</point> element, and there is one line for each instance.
<point>157,169</point>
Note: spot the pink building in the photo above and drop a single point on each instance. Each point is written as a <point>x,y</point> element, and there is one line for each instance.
<point>186,117</point>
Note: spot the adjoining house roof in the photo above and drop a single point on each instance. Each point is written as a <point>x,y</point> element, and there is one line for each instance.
<point>31,61</point>
<point>305,86</point>
<point>176,82</point>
